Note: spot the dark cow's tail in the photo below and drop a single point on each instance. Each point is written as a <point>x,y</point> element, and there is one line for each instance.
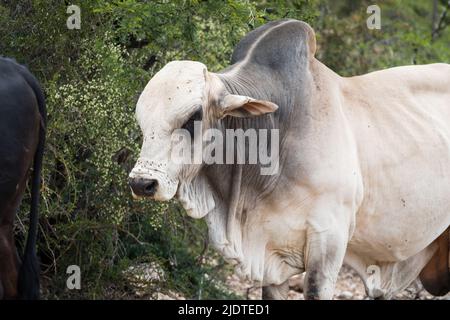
<point>29,273</point>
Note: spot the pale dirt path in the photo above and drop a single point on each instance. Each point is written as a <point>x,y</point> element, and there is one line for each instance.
<point>147,282</point>
<point>348,287</point>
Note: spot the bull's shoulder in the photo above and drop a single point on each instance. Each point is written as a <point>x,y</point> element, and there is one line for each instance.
<point>278,45</point>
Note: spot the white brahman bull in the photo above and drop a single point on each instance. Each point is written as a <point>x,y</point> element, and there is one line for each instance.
<point>364,164</point>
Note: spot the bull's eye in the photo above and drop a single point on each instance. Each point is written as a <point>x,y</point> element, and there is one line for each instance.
<point>189,125</point>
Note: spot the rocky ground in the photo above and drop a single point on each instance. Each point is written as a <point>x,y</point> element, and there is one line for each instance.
<point>348,287</point>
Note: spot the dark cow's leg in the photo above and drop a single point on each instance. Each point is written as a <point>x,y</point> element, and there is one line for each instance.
<point>435,276</point>
<point>11,193</point>
<point>8,262</point>
<point>276,292</point>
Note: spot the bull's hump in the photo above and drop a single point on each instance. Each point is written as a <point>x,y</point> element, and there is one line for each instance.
<point>243,47</point>
<point>279,44</point>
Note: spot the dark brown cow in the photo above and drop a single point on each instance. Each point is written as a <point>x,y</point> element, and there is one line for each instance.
<point>22,135</point>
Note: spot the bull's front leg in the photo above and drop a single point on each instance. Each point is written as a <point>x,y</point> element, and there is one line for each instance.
<point>325,251</point>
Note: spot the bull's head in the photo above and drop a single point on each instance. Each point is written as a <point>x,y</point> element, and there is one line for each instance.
<point>178,95</point>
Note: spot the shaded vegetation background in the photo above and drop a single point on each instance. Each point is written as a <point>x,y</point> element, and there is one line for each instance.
<point>92,78</point>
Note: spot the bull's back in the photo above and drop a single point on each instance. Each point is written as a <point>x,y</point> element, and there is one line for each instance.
<point>400,118</point>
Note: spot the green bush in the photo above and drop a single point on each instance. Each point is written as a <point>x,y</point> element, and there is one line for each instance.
<point>92,78</point>
<point>405,37</point>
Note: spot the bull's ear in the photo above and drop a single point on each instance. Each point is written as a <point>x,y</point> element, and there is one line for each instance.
<point>242,106</point>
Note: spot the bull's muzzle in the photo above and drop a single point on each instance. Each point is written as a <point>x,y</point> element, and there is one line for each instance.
<point>143,187</point>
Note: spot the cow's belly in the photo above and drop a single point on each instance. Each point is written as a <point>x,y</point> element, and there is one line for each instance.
<point>403,221</point>
<point>405,165</point>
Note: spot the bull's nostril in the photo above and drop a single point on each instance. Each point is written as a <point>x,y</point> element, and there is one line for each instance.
<point>150,188</point>
<point>143,187</point>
